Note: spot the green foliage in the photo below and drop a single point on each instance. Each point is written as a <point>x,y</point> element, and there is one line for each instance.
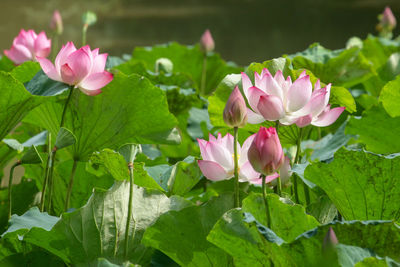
<point>390,97</point>
<point>362,185</point>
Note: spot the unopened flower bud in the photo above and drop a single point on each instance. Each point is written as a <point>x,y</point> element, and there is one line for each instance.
<point>163,64</point>
<point>56,23</point>
<point>235,112</point>
<point>265,153</point>
<point>207,42</point>
<point>388,19</point>
<point>330,240</point>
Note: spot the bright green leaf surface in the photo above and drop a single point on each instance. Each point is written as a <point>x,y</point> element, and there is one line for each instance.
<point>287,220</point>
<point>362,185</point>
<point>182,234</point>
<point>98,228</point>
<point>377,130</point>
<point>390,97</point>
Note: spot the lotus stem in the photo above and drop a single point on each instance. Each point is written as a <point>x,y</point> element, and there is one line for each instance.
<point>296,161</point>
<point>236,168</point>
<point>128,219</point>
<point>277,126</point>
<point>10,180</point>
<point>203,75</point>
<point>46,175</point>
<point>264,190</point>
<point>279,185</point>
<point>84,31</point>
<point>71,182</point>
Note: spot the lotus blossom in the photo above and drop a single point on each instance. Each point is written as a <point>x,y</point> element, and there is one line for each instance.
<point>265,153</point>
<point>274,98</point>
<point>81,68</point>
<point>28,46</point>
<point>235,112</point>
<point>217,163</point>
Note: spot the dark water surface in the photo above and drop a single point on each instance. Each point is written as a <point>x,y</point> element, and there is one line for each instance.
<point>244,31</point>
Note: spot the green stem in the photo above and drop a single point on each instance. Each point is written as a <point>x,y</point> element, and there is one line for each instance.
<point>46,175</point>
<point>54,150</point>
<point>84,31</point>
<point>277,126</point>
<point>71,182</point>
<point>10,181</point>
<point>279,185</point>
<point>296,161</point>
<point>236,168</point>
<point>306,193</point>
<point>128,219</point>
<point>203,75</point>
<point>54,46</point>
<point>267,212</point>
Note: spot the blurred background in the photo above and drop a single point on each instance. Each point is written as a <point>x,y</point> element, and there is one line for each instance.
<point>244,30</point>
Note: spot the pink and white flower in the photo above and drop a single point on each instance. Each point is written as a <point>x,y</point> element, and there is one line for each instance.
<point>28,46</point>
<point>82,68</point>
<point>274,98</point>
<point>217,163</point>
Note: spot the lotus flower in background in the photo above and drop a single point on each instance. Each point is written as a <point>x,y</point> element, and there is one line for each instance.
<point>274,98</point>
<point>265,153</point>
<point>235,112</point>
<point>82,68</point>
<point>28,46</point>
<point>388,20</point>
<point>207,42</point>
<point>56,23</point>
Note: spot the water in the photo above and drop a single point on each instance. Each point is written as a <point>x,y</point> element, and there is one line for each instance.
<point>244,31</point>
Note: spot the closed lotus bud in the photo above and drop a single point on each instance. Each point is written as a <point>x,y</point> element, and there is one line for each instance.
<point>207,42</point>
<point>56,23</point>
<point>235,112</point>
<point>265,153</point>
<point>330,240</point>
<point>163,64</point>
<point>388,20</point>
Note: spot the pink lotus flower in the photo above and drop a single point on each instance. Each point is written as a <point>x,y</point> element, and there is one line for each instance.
<point>265,153</point>
<point>82,68</point>
<point>207,41</point>
<point>217,163</point>
<point>274,98</point>
<point>388,20</point>
<point>28,46</point>
<point>56,23</point>
<point>235,112</point>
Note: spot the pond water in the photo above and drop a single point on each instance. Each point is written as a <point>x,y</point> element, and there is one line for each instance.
<point>244,31</point>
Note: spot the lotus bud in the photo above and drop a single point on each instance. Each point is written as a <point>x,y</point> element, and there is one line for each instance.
<point>89,18</point>
<point>235,112</point>
<point>163,64</point>
<point>388,20</point>
<point>56,23</point>
<point>330,240</point>
<point>207,42</point>
<point>265,153</point>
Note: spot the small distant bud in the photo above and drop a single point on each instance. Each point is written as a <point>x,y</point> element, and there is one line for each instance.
<point>207,42</point>
<point>89,18</point>
<point>56,23</point>
<point>330,240</point>
<point>163,64</point>
<point>235,112</point>
<point>388,18</point>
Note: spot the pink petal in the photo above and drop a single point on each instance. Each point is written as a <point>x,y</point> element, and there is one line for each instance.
<point>329,117</point>
<point>62,56</point>
<point>221,155</point>
<point>254,118</point>
<point>279,78</point>
<point>18,54</point>
<point>272,87</point>
<point>42,45</point>
<point>49,69</point>
<point>246,84</point>
<point>271,107</point>
<point>316,104</point>
<point>67,74</point>
<point>227,142</point>
<point>265,71</point>
<point>99,63</point>
<point>212,170</point>
<point>288,120</point>
<point>302,74</point>
<point>81,64</point>
<point>259,81</point>
<point>247,173</point>
<point>317,85</point>
<point>245,149</point>
<point>96,81</point>
<point>299,94</point>
<point>211,138</point>
<point>254,95</point>
<point>304,121</point>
